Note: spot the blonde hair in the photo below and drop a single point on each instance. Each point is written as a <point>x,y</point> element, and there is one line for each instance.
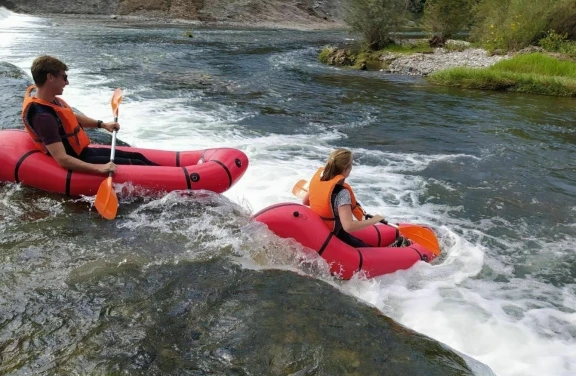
<point>339,161</point>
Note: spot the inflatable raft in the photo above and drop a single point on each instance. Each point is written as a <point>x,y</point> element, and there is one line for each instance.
<point>292,220</point>
<point>214,170</point>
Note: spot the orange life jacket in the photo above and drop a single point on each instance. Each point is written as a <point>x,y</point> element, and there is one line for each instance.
<point>74,133</point>
<point>320,195</point>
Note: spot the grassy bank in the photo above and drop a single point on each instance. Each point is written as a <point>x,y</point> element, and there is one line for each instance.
<point>531,73</point>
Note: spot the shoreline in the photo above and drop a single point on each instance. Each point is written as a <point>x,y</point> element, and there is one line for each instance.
<point>420,64</point>
<point>414,64</point>
<point>152,20</point>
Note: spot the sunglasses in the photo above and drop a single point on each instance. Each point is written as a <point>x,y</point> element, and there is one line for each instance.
<point>63,75</point>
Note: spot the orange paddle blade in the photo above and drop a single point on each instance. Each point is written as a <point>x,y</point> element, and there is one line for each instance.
<point>116,99</point>
<point>300,189</point>
<point>106,201</point>
<point>421,235</point>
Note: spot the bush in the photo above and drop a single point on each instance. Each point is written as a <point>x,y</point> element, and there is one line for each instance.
<point>563,19</point>
<point>375,19</point>
<point>555,42</point>
<point>326,52</point>
<point>515,24</point>
<point>511,24</point>
<point>443,18</point>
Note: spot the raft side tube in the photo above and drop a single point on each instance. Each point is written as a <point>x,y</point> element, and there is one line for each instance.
<point>379,235</point>
<point>292,220</point>
<point>299,222</point>
<point>214,170</point>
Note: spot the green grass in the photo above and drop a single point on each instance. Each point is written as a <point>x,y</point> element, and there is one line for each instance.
<point>537,63</point>
<point>531,73</point>
<point>325,54</point>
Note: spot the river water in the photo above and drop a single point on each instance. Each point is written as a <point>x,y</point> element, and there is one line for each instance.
<point>493,173</point>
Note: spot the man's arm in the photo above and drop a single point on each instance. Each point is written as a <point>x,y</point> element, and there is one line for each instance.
<point>68,162</point>
<point>93,123</point>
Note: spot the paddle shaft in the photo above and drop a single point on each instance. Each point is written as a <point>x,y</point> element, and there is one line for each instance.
<point>106,201</point>
<point>113,147</point>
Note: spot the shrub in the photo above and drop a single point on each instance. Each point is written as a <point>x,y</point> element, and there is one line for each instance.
<point>555,42</point>
<point>515,24</point>
<point>443,18</point>
<point>375,19</point>
<point>326,52</point>
<point>511,24</point>
<point>563,19</point>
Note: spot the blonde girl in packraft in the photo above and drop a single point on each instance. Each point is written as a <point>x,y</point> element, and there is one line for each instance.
<point>334,201</point>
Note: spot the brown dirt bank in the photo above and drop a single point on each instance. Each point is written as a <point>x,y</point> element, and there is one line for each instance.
<point>143,20</point>
<point>297,14</point>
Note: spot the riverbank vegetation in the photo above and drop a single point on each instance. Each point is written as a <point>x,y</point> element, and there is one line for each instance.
<point>535,73</point>
<point>508,25</point>
<point>361,58</point>
<point>501,27</point>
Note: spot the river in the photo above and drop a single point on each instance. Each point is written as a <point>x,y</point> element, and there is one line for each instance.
<point>187,279</point>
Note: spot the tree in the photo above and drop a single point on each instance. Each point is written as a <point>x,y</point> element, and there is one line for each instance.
<point>515,24</point>
<point>444,18</point>
<point>563,19</point>
<point>416,6</point>
<point>375,19</point>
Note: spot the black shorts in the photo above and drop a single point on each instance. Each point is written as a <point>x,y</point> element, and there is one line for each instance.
<point>102,156</point>
<point>350,239</point>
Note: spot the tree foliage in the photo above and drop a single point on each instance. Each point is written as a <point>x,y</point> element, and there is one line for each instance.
<point>416,6</point>
<point>563,19</point>
<point>444,18</point>
<point>496,24</point>
<point>515,24</point>
<point>375,19</point>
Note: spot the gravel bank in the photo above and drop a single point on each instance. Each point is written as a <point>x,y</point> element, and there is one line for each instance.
<point>423,64</point>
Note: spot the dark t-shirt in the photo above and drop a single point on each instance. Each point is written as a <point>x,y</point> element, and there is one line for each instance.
<point>47,125</point>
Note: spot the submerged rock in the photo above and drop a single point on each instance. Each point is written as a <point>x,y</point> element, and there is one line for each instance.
<point>13,83</point>
<point>263,322</point>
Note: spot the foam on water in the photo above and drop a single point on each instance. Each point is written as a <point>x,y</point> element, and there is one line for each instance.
<point>518,327</point>
<point>503,324</point>
<point>13,29</point>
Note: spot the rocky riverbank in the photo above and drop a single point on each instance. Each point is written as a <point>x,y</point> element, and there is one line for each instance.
<point>420,64</point>
<point>455,54</point>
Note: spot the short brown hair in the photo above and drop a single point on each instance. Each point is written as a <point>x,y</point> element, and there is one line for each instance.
<point>43,65</point>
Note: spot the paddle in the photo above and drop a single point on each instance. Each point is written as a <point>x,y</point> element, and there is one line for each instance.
<point>420,234</point>
<point>300,188</point>
<point>106,201</point>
